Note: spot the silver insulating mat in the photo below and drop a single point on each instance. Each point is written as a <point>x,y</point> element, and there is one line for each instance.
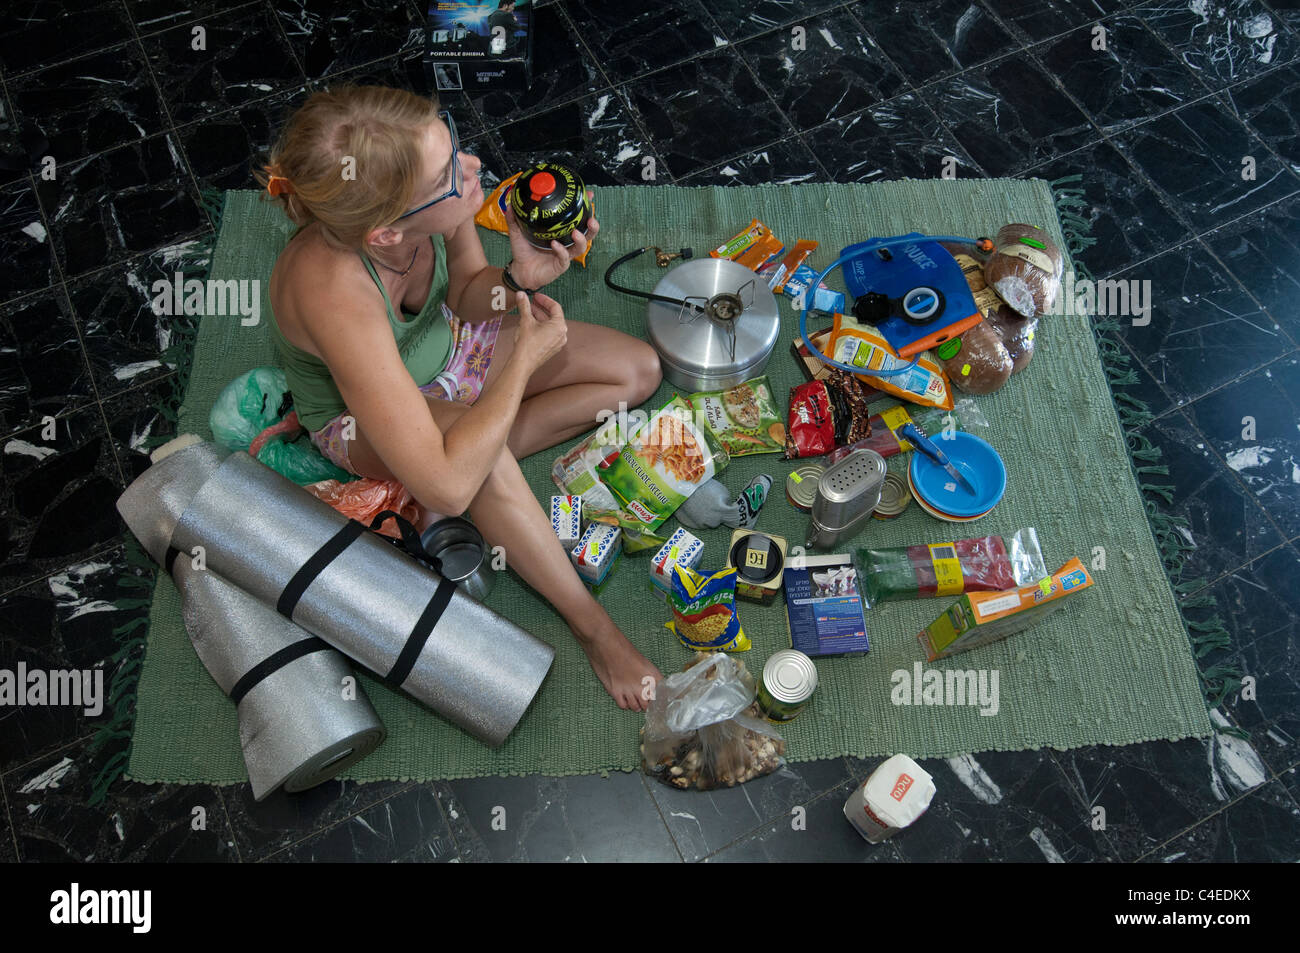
<point>303,718</point>
<point>357,592</point>
<point>299,723</point>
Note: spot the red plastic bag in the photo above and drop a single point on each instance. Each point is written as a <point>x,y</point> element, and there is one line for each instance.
<point>364,499</point>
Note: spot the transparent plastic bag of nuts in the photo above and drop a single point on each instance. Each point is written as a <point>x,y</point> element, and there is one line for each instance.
<point>703,729</point>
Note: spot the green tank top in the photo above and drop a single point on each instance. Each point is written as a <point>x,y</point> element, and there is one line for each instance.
<point>424,342</point>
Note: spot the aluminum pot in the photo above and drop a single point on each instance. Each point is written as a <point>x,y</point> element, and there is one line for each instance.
<point>728,345</point>
<point>464,556</point>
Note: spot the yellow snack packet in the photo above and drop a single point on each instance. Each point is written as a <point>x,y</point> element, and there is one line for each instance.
<point>861,345</point>
<point>492,213</point>
<point>704,611</point>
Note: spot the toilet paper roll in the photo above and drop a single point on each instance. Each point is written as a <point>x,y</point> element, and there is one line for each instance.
<point>299,724</point>
<point>360,594</point>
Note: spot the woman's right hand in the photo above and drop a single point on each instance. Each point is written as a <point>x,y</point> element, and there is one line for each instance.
<point>542,332</point>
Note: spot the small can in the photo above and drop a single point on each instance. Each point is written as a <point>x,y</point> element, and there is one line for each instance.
<point>894,497</point>
<point>550,202</point>
<point>801,486</point>
<point>788,682</point>
<point>759,561</point>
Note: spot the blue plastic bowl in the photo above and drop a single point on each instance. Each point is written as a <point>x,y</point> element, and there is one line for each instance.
<point>976,461</point>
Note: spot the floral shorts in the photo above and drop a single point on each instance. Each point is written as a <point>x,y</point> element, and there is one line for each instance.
<point>461,382</point>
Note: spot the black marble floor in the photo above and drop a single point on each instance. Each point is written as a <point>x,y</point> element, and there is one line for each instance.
<point>1161,110</point>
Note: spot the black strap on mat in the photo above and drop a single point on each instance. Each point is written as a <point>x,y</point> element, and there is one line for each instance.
<point>314,566</point>
<point>272,664</point>
<point>433,611</point>
<point>170,558</point>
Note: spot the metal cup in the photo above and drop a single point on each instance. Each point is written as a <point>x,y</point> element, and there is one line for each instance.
<point>463,554</point>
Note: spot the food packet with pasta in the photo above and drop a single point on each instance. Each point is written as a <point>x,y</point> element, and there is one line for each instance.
<point>704,611</point>
<point>492,213</point>
<point>665,460</point>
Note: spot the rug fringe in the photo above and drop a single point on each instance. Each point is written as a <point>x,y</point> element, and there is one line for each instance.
<point>136,588</point>
<point>1206,636</point>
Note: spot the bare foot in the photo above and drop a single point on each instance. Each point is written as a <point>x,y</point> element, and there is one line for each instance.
<point>619,666</point>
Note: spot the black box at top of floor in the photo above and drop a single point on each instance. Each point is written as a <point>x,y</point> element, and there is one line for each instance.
<point>480,46</point>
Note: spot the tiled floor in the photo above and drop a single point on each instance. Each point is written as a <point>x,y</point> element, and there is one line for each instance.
<point>1161,109</point>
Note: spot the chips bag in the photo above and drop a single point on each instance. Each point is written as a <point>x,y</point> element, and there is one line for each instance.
<point>704,611</point>
<point>860,345</point>
<point>492,213</point>
<point>745,418</point>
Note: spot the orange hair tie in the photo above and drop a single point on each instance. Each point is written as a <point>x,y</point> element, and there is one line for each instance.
<point>278,185</point>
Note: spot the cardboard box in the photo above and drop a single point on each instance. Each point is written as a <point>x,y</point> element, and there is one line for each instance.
<point>566,519</point>
<point>596,552</point>
<point>682,549</point>
<point>480,46</point>
<point>823,606</point>
<point>978,618</point>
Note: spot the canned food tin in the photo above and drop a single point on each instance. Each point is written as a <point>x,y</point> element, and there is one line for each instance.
<point>894,497</point>
<point>801,486</point>
<point>759,560</point>
<point>788,682</point>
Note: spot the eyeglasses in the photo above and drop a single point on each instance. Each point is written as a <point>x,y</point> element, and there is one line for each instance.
<point>456,179</point>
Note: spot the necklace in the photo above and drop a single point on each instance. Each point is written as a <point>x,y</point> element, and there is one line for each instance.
<point>401,274</point>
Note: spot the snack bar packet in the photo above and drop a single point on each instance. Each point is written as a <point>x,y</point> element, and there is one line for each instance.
<point>666,460</point>
<point>778,274</point>
<point>704,611</point>
<point>861,345</point>
<point>884,438</point>
<point>825,299</point>
<point>749,241</point>
<point>492,213</point>
<point>928,570</point>
<point>745,418</point>
<point>826,414</point>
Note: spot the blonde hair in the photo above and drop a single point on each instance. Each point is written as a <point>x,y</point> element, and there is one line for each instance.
<point>379,129</point>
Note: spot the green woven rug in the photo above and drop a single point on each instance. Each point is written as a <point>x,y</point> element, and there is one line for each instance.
<point>1114,667</point>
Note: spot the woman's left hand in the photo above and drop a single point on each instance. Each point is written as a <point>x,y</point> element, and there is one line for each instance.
<point>535,267</point>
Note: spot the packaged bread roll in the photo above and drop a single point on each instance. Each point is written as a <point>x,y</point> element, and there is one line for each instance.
<point>1025,269</point>
<point>1017,334</point>
<point>982,364</point>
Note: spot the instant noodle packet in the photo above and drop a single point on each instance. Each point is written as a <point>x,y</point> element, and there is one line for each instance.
<point>704,611</point>
<point>860,345</point>
<point>492,213</point>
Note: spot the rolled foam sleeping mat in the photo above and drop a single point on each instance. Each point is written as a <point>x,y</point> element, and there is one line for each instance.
<point>300,723</point>
<point>360,594</point>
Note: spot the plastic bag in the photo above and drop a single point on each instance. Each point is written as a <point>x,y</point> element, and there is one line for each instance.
<point>703,731</point>
<point>364,499</point>
<point>980,564</point>
<point>884,438</point>
<point>254,402</point>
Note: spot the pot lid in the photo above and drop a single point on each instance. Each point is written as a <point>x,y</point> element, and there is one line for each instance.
<point>701,344</point>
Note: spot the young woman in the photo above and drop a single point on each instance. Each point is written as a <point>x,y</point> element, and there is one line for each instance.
<point>385,311</point>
